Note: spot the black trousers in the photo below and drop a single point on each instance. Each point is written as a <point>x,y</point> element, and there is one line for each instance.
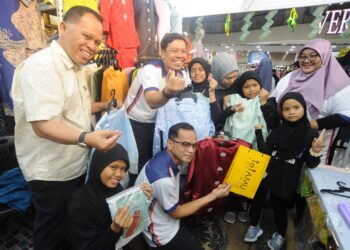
<point>143,133</point>
<point>50,200</point>
<point>183,240</point>
<point>236,204</point>
<point>279,206</point>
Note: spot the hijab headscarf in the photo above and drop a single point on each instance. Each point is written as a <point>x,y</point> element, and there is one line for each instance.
<point>222,65</point>
<point>200,87</point>
<point>265,72</point>
<point>238,85</point>
<point>94,193</point>
<point>321,84</point>
<point>290,138</point>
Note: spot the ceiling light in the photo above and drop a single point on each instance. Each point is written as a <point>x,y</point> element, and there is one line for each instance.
<point>227,46</point>
<point>231,49</point>
<point>293,47</point>
<point>334,46</point>
<point>258,47</point>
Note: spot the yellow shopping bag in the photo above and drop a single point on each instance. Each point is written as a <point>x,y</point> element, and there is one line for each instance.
<point>246,171</point>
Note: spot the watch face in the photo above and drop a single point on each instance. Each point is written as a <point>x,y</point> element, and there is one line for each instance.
<point>82,144</point>
<point>81,140</point>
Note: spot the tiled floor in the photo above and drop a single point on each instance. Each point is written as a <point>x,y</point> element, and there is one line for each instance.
<point>237,230</point>
<point>16,230</point>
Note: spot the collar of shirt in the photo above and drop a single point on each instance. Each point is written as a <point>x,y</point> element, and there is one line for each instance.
<point>160,63</point>
<point>62,56</point>
<point>172,164</point>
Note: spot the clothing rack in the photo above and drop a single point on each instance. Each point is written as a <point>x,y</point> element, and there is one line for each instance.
<point>142,60</point>
<point>106,57</point>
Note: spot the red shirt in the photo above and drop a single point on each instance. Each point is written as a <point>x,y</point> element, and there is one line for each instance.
<point>208,169</point>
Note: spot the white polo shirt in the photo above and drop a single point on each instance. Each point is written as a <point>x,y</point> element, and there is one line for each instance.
<point>150,77</point>
<point>163,174</point>
<point>49,86</point>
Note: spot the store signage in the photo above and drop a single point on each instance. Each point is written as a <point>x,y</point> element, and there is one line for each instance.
<point>337,21</point>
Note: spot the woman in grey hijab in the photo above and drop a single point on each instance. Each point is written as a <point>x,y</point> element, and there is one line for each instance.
<point>224,69</point>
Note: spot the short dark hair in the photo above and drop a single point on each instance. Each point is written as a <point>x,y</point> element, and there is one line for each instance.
<point>174,130</point>
<point>74,14</point>
<point>170,37</point>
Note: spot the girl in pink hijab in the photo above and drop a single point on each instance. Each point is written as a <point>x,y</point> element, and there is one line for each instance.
<point>324,85</point>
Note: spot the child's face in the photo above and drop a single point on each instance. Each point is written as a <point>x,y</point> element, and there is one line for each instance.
<point>113,173</point>
<point>251,88</point>
<point>197,73</point>
<point>292,110</point>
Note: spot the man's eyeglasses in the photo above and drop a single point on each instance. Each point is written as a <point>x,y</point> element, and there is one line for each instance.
<point>310,58</point>
<point>186,144</point>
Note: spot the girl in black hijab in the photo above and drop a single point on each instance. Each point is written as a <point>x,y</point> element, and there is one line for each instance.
<point>89,220</point>
<point>199,71</point>
<point>290,145</point>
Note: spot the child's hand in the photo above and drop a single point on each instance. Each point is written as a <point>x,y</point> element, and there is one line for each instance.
<point>238,107</point>
<point>263,96</point>
<point>147,189</point>
<point>259,126</point>
<point>122,219</point>
<point>212,83</point>
<point>318,143</point>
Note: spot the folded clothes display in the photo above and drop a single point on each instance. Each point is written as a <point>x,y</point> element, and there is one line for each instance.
<point>14,191</point>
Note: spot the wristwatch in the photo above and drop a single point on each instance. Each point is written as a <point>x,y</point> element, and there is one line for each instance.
<point>81,140</point>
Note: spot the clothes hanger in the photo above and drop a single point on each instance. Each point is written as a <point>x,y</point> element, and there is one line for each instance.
<point>342,188</point>
<point>113,101</point>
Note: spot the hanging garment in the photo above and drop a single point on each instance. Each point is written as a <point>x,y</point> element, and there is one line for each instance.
<point>164,15</point>
<point>146,21</point>
<point>208,169</point>
<point>117,80</point>
<point>242,124</point>
<point>127,57</point>
<point>175,19</point>
<point>96,85</point>
<point>20,33</point>
<point>92,4</point>
<point>194,110</point>
<point>118,22</point>
<point>188,49</point>
<point>197,47</point>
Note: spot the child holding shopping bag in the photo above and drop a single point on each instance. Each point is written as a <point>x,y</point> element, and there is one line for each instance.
<point>290,145</point>
<point>247,106</point>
